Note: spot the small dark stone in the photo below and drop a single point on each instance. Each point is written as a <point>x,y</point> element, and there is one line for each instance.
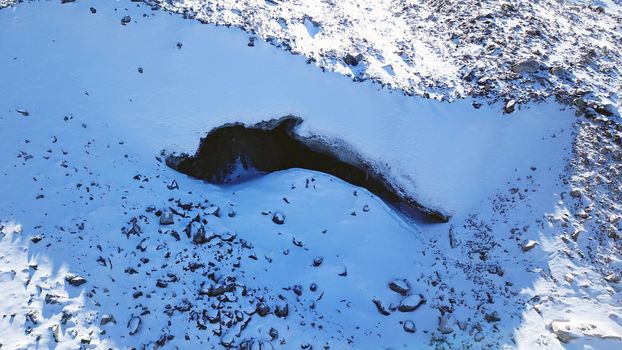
<point>22,112</point>
<point>297,290</point>
<point>161,284</point>
<point>281,311</point>
<point>51,299</point>
<point>352,60</point>
<point>278,218</point>
<point>274,334</point>
<point>492,317</point>
<point>140,70</point>
<point>381,309</point>
<point>200,237</point>
<point>75,280</point>
<point>400,286</point>
<point>411,303</point>
<point>262,309</point>
<point>125,20</point>
<point>409,327</point>
<point>93,10</point>
<point>220,290</point>
<point>510,106</point>
<point>107,319</point>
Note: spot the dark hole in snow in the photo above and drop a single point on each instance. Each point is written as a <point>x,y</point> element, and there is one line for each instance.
<point>234,152</point>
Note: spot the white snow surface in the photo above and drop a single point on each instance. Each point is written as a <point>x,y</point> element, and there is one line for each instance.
<point>83,163</point>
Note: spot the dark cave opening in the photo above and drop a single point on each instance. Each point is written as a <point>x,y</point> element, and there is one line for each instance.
<point>272,146</point>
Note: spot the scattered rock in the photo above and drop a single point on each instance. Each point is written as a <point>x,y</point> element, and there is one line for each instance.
<point>161,283</point>
<point>22,112</point>
<point>93,10</point>
<point>297,290</point>
<point>381,309</point>
<point>411,303</point>
<point>55,329</point>
<point>281,310</point>
<point>125,20</point>
<point>569,277</point>
<point>32,316</point>
<point>106,318</point>
<point>606,110</point>
<point>352,60</point>
<point>409,326</point>
<point>215,291</point>
<point>443,326</point>
<point>227,339</point>
<point>527,66</point>
<point>529,245</point>
<point>133,324</point>
<point>199,236</point>
<point>75,280</point>
<point>52,298</point>
<point>613,278</point>
<point>509,106</point>
<point>278,218</point>
<point>167,218</point>
<point>175,235</point>
<point>400,286</point>
<point>318,261</point>
<point>575,192</point>
<point>274,334</point>
<point>563,331</point>
<point>492,317</point>
<point>262,309</point>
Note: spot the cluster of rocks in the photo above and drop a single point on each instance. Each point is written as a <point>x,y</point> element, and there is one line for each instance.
<point>593,225</point>
<point>223,305</point>
<point>409,303</point>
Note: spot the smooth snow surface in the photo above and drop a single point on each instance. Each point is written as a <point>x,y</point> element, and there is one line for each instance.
<point>81,181</point>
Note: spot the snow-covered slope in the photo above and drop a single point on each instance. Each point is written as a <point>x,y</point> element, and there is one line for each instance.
<point>510,51</point>
<point>520,50</point>
<point>83,189</point>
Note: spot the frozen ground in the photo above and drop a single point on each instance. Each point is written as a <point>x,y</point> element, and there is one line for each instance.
<point>530,258</point>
